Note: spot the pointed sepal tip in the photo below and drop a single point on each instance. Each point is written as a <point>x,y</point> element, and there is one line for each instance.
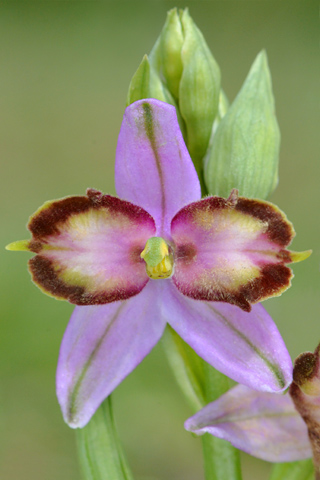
<point>19,246</point>
<point>300,256</point>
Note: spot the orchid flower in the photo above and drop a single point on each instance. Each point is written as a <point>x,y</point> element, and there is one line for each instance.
<point>276,428</point>
<point>262,424</point>
<point>160,254</point>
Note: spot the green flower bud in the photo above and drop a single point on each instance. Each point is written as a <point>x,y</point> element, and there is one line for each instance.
<point>146,83</point>
<point>244,149</point>
<point>166,53</point>
<point>199,88</point>
<point>182,71</point>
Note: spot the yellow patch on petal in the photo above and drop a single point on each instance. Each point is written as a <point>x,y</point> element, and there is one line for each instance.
<point>217,223</point>
<point>91,221</point>
<point>92,285</point>
<point>226,277</point>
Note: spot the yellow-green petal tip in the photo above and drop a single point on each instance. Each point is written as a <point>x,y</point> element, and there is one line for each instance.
<point>300,256</point>
<point>20,245</point>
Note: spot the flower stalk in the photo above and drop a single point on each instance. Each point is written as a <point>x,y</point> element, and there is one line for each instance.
<point>99,449</point>
<point>221,459</point>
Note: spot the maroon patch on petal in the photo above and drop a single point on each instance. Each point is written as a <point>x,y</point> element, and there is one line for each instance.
<point>45,222</point>
<point>209,204</point>
<point>44,275</point>
<point>279,228</point>
<point>186,253</point>
<point>214,296</point>
<point>272,280</point>
<point>35,246</point>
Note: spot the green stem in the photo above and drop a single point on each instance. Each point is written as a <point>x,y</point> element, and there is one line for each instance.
<point>202,384</point>
<point>221,459</point>
<point>99,449</point>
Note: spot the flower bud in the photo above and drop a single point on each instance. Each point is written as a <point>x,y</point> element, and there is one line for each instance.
<point>182,71</point>
<point>146,83</point>
<point>166,53</point>
<point>244,150</point>
<point>199,88</point>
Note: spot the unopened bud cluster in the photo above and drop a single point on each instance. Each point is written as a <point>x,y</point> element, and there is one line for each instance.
<point>234,147</point>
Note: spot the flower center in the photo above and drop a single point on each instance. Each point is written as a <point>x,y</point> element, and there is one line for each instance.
<point>159,260</point>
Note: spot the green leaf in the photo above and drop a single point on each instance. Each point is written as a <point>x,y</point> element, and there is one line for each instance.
<point>302,470</point>
<point>244,150</point>
<point>99,449</point>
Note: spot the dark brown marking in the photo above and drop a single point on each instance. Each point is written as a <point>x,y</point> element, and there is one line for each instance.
<point>272,279</point>
<point>46,222</point>
<point>186,253</point>
<point>234,298</point>
<point>304,368</point>
<point>209,204</point>
<point>44,275</point>
<point>279,229</point>
<point>308,408</point>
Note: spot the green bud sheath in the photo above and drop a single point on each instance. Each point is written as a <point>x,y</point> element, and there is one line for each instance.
<point>166,53</point>
<point>181,71</point>
<point>199,89</point>
<point>244,148</point>
<point>146,83</point>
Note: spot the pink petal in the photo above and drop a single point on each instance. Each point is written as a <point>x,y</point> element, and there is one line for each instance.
<point>263,424</point>
<point>232,250</point>
<point>153,167</point>
<point>101,346</point>
<point>89,248</point>
<point>246,347</point>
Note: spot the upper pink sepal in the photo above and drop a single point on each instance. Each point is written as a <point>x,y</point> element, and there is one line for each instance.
<point>231,250</point>
<point>88,248</point>
<point>265,425</point>
<point>153,167</point>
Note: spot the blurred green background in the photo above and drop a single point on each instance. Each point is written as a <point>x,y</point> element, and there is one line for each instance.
<point>65,70</point>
